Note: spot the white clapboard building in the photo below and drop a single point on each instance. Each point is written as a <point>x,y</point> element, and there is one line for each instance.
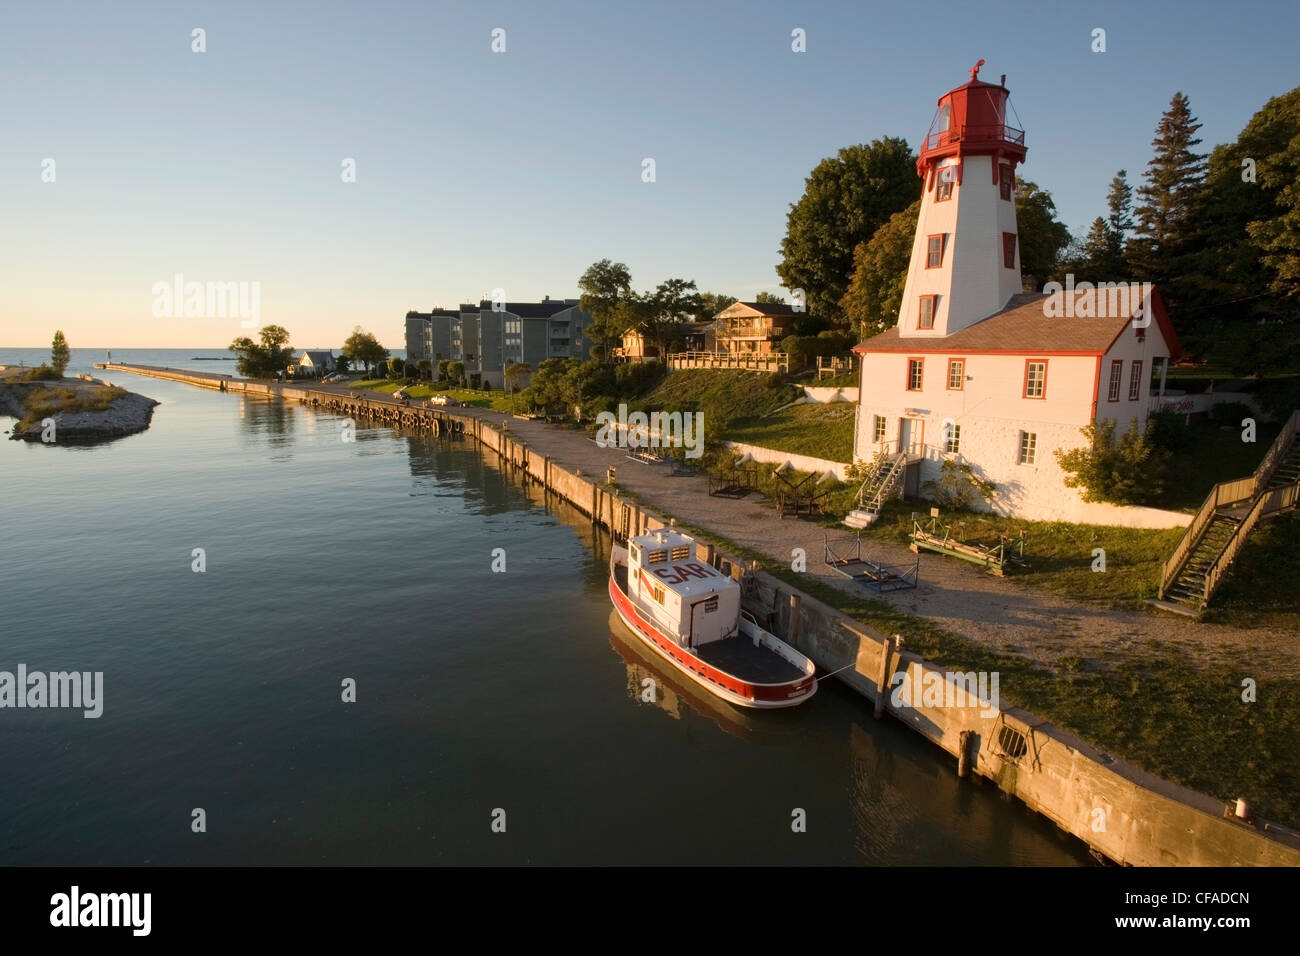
<point>978,371</point>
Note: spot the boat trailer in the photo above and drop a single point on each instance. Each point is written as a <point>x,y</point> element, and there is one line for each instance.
<point>993,557</point>
<point>848,561</point>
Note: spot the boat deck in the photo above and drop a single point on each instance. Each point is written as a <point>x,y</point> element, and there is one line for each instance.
<point>736,655</point>
<point>739,657</point>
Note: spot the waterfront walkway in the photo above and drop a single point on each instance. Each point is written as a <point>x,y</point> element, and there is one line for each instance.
<point>1001,613</point>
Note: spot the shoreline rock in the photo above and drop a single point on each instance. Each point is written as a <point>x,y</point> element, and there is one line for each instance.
<point>128,415</point>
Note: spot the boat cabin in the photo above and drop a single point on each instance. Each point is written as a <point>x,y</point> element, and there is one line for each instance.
<point>689,600</point>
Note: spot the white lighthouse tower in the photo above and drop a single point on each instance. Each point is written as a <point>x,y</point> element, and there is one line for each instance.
<point>965,259</point>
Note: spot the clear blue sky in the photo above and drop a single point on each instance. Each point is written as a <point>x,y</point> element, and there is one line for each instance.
<point>517,170</point>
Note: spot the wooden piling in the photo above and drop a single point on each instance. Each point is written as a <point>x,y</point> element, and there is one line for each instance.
<point>963,753</point>
<point>883,674</point>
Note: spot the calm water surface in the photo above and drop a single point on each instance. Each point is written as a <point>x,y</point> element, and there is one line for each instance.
<point>476,691</point>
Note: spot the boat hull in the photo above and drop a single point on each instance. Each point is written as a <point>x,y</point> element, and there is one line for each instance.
<point>734,690</point>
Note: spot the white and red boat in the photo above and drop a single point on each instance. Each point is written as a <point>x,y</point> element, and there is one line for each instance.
<point>690,614</point>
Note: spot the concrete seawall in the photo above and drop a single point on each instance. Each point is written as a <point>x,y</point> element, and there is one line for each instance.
<point>1119,811</point>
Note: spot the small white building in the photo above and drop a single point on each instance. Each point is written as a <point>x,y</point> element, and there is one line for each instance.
<point>315,362</point>
<point>976,370</point>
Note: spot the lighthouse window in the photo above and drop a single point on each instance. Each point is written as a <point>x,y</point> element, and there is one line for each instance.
<point>934,250</point>
<point>1006,182</point>
<point>914,371</point>
<point>878,429</point>
<point>944,189</point>
<point>925,319</point>
<point>945,116</point>
<point>1009,249</point>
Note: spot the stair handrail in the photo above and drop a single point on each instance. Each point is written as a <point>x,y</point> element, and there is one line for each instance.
<point>1169,570</point>
<point>1264,504</point>
<point>1226,492</point>
<point>1273,457</point>
<point>887,482</point>
<point>878,461</point>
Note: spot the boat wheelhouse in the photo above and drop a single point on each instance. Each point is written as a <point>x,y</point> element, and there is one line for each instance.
<point>689,612</point>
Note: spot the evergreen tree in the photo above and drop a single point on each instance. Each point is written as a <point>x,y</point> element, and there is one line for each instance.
<point>1119,201</point>
<point>1168,200</point>
<point>1119,205</point>
<point>1098,261</point>
<point>60,354</point>
<point>1249,322</point>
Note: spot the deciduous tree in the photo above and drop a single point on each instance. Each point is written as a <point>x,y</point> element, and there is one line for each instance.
<point>846,199</point>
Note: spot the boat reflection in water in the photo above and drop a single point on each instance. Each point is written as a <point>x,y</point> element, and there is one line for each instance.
<point>679,698</point>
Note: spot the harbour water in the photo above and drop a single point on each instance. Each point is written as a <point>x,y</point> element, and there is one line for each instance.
<point>476,691</point>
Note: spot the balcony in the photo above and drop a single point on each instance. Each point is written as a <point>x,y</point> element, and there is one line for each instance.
<point>975,136</point>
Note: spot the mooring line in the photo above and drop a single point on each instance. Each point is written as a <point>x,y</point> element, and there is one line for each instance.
<point>837,670</point>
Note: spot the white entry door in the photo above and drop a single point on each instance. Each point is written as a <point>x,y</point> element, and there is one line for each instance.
<point>909,435</point>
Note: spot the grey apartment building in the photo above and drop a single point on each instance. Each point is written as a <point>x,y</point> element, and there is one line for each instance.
<point>488,339</point>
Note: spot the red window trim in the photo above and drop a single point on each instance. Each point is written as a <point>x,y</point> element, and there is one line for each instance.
<point>943,248</point>
<point>1135,381</point>
<point>907,381</point>
<point>934,312</point>
<point>938,183</point>
<point>1011,247</point>
<point>1024,386</point>
<point>1005,175</point>
<point>961,386</point>
<point>1113,386</point>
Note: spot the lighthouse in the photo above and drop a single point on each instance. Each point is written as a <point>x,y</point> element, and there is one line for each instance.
<point>965,259</point>
<point>977,373</point>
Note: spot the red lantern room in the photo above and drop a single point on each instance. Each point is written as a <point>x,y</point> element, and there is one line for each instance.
<point>972,121</point>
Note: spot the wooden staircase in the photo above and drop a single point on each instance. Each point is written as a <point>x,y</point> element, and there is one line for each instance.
<point>882,480</point>
<point>1205,555</point>
<point>1189,587</point>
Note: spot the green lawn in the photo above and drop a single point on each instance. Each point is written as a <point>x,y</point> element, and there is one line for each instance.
<point>822,431</point>
<point>1208,454</point>
<point>1264,586</point>
<point>1058,556</point>
<point>723,395</point>
<point>475,398</point>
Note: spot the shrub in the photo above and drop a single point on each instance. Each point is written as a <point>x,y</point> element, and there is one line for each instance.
<point>1128,472</point>
<point>1169,431</point>
<point>1230,413</point>
<point>42,373</point>
<point>1279,397</point>
<point>958,486</point>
